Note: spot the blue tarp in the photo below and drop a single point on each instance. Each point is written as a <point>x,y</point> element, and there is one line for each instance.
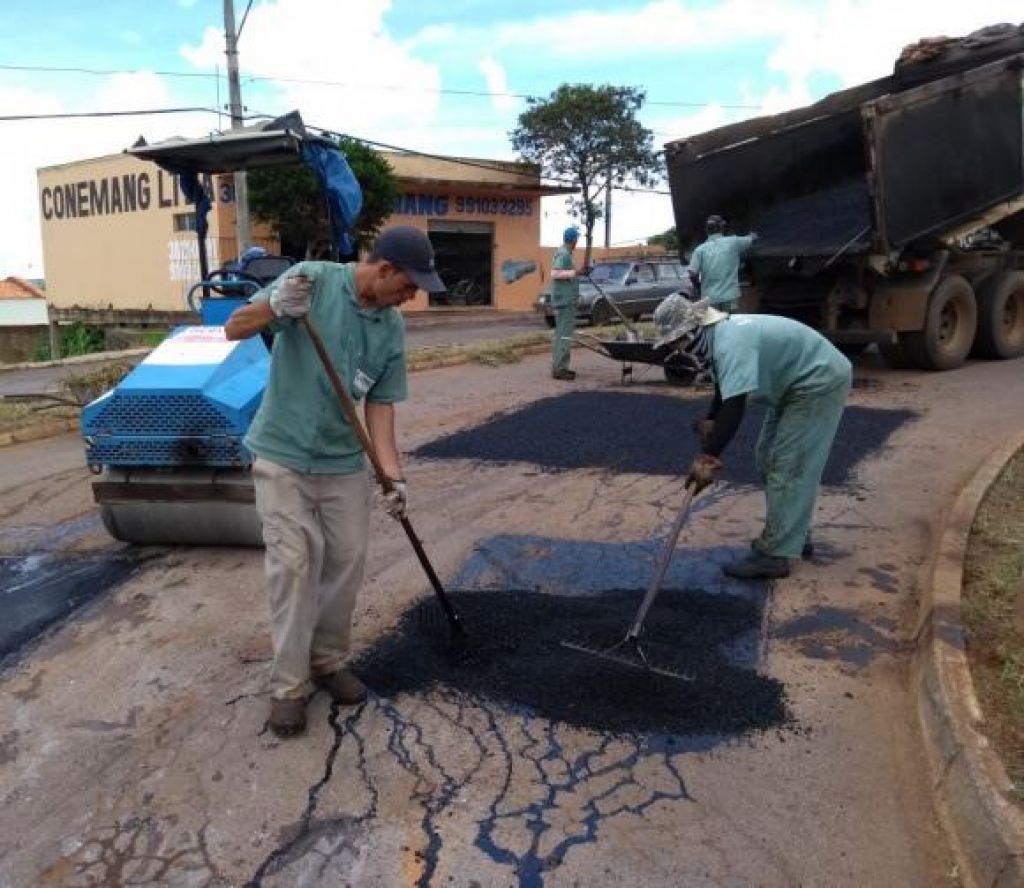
<point>344,196</point>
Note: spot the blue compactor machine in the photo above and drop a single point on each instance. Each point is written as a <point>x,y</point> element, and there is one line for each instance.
<point>166,443</point>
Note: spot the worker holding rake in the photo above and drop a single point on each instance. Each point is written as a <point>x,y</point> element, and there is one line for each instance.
<point>312,487</point>
<point>804,381</point>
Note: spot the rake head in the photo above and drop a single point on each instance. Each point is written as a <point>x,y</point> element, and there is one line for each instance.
<point>628,652</point>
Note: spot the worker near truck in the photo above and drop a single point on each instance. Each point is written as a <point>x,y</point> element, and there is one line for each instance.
<point>804,382</point>
<point>312,486</point>
<point>565,292</point>
<point>715,264</point>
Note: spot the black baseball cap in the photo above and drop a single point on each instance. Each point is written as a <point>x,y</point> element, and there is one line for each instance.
<point>410,250</point>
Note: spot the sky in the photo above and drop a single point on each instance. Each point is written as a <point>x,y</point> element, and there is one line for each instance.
<point>442,76</point>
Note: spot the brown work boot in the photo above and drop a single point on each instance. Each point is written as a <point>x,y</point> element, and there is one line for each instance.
<point>288,717</point>
<point>343,686</point>
<point>567,375</point>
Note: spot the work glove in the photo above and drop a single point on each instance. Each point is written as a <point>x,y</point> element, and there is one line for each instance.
<point>703,471</point>
<point>703,428</point>
<point>292,297</point>
<point>396,500</point>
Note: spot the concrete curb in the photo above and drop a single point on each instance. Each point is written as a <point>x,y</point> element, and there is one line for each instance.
<point>970,784</point>
<point>93,358</point>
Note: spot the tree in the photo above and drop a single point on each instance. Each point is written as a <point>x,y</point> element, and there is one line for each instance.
<point>289,198</point>
<point>667,239</point>
<point>588,135</point>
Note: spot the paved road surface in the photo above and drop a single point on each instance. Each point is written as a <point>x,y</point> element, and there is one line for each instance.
<point>133,744</point>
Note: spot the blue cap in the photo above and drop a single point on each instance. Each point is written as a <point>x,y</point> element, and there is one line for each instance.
<point>571,234</point>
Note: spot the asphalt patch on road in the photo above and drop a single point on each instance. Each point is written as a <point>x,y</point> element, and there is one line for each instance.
<point>646,434</point>
<point>515,657</point>
<point>39,590</point>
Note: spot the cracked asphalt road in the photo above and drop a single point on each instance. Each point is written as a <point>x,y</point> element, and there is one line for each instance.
<point>132,741</point>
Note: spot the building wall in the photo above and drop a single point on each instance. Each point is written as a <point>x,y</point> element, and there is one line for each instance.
<point>515,217</point>
<point>110,238</point>
<point>23,312</point>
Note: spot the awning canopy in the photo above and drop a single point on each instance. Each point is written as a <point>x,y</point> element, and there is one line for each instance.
<point>274,142</point>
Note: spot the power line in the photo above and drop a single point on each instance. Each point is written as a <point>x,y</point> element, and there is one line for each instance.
<point>142,113</point>
<point>257,78</point>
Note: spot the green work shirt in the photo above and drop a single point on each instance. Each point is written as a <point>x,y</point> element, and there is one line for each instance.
<point>717,262</point>
<point>299,423</point>
<point>772,358</point>
<point>564,292</point>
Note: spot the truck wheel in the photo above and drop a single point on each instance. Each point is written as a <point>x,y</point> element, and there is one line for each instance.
<point>601,314</point>
<point>894,356</point>
<point>949,327</point>
<point>1000,316</point>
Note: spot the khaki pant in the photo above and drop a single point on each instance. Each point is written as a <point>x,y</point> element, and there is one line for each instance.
<point>315,528</point>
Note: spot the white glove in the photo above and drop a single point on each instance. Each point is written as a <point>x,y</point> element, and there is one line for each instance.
<point>396,500</point>
<point>292,297</point>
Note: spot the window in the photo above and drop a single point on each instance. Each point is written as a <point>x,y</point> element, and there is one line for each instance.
<point>184,221</point>
<point>645,274</point>
<point>668,272</point>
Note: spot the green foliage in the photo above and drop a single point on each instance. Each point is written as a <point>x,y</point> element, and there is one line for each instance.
<point>80,339</point>
<point>289,198</point>
<point>666,239</point>
<point>589,135</point>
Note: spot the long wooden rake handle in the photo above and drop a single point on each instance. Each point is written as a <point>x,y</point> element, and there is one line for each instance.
<point>349,409</point>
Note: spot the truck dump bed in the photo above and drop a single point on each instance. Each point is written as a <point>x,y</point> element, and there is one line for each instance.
<point>872,168</point>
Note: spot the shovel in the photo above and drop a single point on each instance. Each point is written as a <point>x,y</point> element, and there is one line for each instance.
<point>349,409</point>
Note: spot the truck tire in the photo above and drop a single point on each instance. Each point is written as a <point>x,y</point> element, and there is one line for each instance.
<point>1000,317</point>
<point>949,327</point>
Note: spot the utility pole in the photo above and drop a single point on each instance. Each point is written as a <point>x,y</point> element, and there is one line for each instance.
<point>235,95</point>
<point>608,211</point>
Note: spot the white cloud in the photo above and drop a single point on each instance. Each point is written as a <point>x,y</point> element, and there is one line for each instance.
<point>31,144</point>
<point>344,46</point>
<point>497,83</point>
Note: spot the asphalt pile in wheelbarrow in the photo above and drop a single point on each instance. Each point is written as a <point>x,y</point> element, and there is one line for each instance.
<point>514,658</point>
<point>646,434</point>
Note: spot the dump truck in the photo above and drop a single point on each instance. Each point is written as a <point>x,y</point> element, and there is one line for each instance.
<point>891,212</point>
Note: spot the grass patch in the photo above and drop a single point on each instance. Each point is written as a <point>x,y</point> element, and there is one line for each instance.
<point>490,353</point>
<point>993,615</point>
<point>20,412</point>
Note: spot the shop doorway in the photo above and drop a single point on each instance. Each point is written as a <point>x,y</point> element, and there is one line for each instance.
<point>464,254</point>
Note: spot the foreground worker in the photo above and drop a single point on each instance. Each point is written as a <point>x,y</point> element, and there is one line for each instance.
<point>312,486</point>
<point>565,291</point>
<point>802,378</point>
<point>715,264</point>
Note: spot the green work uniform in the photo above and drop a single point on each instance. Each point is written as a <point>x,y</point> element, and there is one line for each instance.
<point>564,294</point>
<point>299,423</point>
<point>804,380</point>
<point>717,262</point>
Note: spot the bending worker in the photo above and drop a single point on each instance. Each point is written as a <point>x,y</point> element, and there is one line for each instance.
<point>312,487</point>
<point>565,291</point>
<point>802,378</point>
<point>715,264</point>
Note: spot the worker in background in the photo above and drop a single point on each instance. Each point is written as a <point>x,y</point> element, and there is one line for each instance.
<point>565,291</point>
<point>715,264</point>
<point>804,381</point>
<point>312,487</point>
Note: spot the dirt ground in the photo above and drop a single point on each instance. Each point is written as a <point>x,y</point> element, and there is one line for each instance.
<point>133,748</point>
<point>993,607</point>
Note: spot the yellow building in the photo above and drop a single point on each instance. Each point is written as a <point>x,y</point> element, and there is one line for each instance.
<point>119,241</point>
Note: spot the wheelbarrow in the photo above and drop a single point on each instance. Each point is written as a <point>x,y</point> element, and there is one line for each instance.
<point>674,365</point>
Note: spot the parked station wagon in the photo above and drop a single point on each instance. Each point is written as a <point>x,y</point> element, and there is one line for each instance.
<point>635,285</point>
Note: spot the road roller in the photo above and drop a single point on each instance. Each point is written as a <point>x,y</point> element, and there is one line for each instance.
<point>167,443</point>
